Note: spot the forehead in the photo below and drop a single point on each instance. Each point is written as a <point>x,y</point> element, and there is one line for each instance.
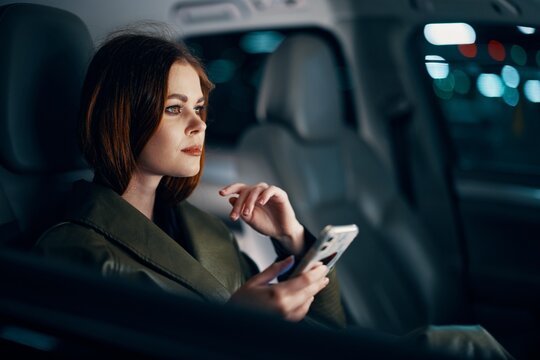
<point>183,79</point>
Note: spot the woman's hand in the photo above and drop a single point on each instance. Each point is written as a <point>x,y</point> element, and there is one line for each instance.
<point>291,298</point>
<point>267,209</point>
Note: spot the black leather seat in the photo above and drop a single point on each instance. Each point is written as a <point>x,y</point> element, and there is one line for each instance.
<point>394,277</point>
<point>45,53</point>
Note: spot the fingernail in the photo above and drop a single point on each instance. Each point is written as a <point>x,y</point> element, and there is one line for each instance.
<point>234,216</point>
<point>325,267</point>
<point>325,283</point>
<point>288,267</point>
<point>246,212</point>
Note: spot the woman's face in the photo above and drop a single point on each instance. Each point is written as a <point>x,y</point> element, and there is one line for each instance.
<point>176,147</point>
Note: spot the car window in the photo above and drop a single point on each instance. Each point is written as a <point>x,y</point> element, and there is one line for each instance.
<point>234,62</point>
<point>488,89</point>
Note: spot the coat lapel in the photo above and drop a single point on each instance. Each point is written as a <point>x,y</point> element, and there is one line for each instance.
<point>106,212</point>
<point>213,245</point>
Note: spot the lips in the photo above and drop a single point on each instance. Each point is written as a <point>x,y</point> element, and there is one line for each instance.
<point>195,150</point>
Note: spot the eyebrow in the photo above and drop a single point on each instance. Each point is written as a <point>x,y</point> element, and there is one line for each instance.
<point>183,97</point>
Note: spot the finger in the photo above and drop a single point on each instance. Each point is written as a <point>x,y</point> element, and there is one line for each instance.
<point>272,272</point>
<point>315,287</point>
<point>307,278</point>
<point>314,265</point>
<point>290,299</point>
<point>307,295</point>
<point>300,296</point>
<point>232,214</point>
<point>301,311</point>
<point>286,300</point>
<point>239,203</point>
<point>324,284</point>
<point>249,203</point>
<point>231,189</point>
<point>272,191</point>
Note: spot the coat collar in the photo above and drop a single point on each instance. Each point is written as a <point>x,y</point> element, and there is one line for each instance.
<point>108,213</point>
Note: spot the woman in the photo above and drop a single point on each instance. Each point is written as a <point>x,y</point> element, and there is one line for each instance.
<point>142,128</point>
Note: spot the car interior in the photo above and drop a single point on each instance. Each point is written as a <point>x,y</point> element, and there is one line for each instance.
<point>337,179</point>
<point>377,114</point>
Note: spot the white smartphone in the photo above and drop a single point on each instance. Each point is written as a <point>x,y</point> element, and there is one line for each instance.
<point>330,245</point>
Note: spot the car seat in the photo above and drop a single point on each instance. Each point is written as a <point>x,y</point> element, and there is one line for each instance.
<point>394,277</point>
<point>45,53</point>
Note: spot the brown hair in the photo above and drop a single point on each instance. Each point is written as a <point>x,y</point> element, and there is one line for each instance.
<point>122,102</point>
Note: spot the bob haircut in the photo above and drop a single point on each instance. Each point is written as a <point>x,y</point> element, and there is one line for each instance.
<point>123,99</point>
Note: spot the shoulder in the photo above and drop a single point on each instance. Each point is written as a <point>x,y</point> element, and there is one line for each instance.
<point>75,243</point>
<point>69,234</point>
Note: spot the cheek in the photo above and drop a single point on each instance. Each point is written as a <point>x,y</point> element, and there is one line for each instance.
<point>156,147</point>
<point>167,139</point>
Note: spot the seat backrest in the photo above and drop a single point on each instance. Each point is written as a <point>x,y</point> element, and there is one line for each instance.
<point>393,277</point>
<point>45,53</point>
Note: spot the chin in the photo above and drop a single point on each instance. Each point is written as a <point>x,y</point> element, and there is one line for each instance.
<point>186,172</point>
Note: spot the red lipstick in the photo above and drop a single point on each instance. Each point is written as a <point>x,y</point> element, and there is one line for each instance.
<point>195,150</point>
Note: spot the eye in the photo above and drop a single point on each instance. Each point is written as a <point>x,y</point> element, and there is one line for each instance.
<point>174,109</point>
<point>199,109</point>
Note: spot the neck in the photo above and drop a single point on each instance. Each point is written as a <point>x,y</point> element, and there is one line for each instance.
<point>141,193</point>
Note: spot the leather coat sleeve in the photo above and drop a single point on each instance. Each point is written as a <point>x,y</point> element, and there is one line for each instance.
<point>79,246</point>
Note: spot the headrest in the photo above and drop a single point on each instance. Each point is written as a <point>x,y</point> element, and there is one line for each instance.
<point>300,89</point>
<point>43,60</point>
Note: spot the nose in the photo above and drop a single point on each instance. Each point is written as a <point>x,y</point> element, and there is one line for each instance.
<point>195,126</point>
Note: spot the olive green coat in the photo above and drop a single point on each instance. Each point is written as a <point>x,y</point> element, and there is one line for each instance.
<point>104,232</point>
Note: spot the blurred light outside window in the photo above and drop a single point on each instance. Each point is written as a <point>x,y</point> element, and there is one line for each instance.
<point>449,34</point>
<point>487,82</point>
